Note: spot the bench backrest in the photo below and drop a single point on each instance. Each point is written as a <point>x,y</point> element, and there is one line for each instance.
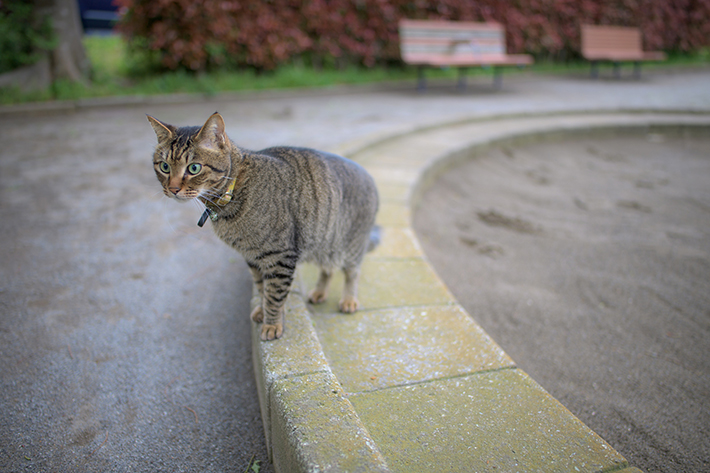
<point>451,38</point>
<point>598,41</point>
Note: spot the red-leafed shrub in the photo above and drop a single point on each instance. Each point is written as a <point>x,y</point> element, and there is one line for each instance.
<point>198,35</point>
<point>195,35</point>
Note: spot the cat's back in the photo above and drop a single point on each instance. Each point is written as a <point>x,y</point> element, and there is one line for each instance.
<point>332,199</point>
<point>313,158</point>
<point>312,167</point>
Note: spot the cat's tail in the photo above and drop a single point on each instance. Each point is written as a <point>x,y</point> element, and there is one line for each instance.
<point>375,237</point>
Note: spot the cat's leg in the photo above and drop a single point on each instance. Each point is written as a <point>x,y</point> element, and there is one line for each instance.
<point>257,315</point>
<point>276,289</point>
<point>319,294</point>
<point>277,270</point>
<point>349,302</point>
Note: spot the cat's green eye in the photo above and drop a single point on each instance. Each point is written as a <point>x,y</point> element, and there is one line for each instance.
<point>194,168</point>
<point>165,167</point>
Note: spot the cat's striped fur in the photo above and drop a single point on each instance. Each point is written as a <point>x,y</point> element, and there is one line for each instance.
<point>287,205</point>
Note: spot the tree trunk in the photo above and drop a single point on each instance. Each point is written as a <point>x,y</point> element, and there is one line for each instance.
<point>68,59</point>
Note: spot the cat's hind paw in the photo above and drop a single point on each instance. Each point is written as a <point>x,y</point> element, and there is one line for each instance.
<point>349,305</point>
<point>316,296</point>
<point>271,332</point>
<point>257,315</point>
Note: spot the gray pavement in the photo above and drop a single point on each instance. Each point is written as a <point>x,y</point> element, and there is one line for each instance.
<point>124,333</point>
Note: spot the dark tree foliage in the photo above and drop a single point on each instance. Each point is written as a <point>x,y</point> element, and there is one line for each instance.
<point>24,35</point>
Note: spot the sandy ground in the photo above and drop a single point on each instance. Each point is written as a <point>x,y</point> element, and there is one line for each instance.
<point>588,261</point>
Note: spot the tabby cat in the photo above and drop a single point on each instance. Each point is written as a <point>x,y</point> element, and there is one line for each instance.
<point>276,207</point>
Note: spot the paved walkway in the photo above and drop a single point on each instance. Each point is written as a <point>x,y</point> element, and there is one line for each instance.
<point>410,383</point>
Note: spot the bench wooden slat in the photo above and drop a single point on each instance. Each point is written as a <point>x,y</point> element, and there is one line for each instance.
<point>468,60</point>
<point>615,43</point>
<point>459,44</point>
<point>449,38</point>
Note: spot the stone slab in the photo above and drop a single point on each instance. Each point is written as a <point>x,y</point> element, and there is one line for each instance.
<point>394,174</point>
<point>404,346</point>
<point>296,354</point>
<point>394,214</point>
<point>315,428</point>
<point>385,284</point>
<point>396,242</point>
<point>494,421</point>
<point>393,192</point>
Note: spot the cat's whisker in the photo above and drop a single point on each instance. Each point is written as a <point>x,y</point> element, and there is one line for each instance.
<point>210,198</point>
<point>170,223</point>
<point>209,193</point>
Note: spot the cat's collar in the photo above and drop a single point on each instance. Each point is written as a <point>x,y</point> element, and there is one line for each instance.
<point>223,200</point>
<point>227,197</point>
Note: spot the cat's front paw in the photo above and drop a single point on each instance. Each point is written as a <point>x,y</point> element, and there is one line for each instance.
<point>257,315</point>
<point>316,296</point>
<point>271,332</point>
<point>349,305</point>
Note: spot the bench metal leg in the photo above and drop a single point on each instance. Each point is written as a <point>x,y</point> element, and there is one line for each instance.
<point>617,70</point>
<point>461,85</point>
<point>497,78</point>
<point>421,80</point>
<point>594,72</point>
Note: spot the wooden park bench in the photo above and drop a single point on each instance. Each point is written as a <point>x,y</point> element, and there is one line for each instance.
<point>438,43</point>
<point>616,44</point>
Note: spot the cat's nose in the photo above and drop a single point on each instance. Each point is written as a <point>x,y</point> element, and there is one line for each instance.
<point>174,190</point>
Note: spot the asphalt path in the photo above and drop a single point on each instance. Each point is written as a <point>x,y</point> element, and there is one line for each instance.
<point>124,334</point>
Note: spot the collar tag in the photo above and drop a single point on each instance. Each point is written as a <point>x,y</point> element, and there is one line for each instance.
<point>224,200</point>
<point>203,219</point>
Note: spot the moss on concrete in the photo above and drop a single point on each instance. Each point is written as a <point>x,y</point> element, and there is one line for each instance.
<point>385,284</point>
<point>315,428</point>
<point>405,346</point>
<point>495,421</point>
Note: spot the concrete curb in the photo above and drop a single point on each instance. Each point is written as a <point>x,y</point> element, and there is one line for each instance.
<point>322,410</point>
<point>306,415</point>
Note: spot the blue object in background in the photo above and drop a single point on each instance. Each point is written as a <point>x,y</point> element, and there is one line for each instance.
<point>98,16</point>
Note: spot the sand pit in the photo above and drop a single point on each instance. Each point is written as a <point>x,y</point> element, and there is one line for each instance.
<point>588,260</point>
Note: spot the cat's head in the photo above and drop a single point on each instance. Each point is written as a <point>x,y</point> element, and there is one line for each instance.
<point>192,162</point>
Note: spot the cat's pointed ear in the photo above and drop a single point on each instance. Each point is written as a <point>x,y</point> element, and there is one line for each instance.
<point>163,131</point>
<point>212,135</point>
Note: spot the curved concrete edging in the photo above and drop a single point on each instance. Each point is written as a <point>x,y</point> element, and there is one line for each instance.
<point>354,147</point>
<point>440,164</point>
<point>322,410</point>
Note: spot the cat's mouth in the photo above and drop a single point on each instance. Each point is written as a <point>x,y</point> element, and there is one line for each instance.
<point>180,197</point>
